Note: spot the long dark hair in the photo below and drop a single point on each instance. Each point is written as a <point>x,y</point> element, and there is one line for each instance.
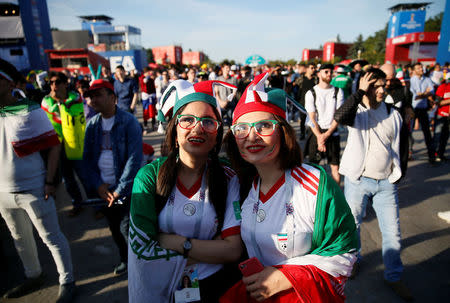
<point>216,179</point>
<point>289,156</point>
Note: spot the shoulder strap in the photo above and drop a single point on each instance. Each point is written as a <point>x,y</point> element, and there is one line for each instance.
<point>313,92</point>
<point>336,91</point>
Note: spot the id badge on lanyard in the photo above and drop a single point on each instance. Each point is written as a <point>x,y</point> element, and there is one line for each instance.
<point>188,288</point>
<point>285,240</point>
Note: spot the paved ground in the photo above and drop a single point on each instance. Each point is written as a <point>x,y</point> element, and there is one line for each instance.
<point>426,245</point>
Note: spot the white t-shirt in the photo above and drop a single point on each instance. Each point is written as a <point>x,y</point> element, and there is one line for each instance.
<point>325,105</point>
<point>378,162</point>
<point>278,239</point>
<point>186,211</point>
<point>18,174</point>
<point>282,224</point>
<point>106,160</point>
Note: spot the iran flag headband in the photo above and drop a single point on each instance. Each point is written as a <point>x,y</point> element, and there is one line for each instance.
<point>182,92</point>
<point>258,98</point>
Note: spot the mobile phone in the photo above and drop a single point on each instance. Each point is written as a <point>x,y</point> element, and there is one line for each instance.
<point>250,267</point>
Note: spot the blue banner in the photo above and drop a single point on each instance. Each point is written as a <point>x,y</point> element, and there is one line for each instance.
<point>131,60</point>
<point>406,22</point>
<point>443,54</point>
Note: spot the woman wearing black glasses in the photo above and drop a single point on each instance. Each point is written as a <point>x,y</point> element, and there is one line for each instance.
<point>295,219</point>
<point>185,212</point>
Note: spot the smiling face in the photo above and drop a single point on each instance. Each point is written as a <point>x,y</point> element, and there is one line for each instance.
<point>196,141</point>
<point>256,149</point>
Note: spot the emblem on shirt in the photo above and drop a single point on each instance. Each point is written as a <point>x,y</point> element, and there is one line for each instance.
<point>289,208</point>
<point>282,241</point>
<point>260,215</point>
<point>189,209</point>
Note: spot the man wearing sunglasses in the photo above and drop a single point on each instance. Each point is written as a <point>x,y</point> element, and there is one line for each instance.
<point>62,99</point>
<point>321,102</point>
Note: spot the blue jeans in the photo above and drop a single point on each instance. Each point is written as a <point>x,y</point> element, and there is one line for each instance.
<point>384,199</point>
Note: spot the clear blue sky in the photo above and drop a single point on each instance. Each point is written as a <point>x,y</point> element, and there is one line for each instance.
<point>236,29</point>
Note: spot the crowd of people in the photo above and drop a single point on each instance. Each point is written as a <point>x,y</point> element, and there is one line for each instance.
<point>182,222</point>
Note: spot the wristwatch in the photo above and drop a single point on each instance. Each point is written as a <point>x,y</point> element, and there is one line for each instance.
<point>187,245</point>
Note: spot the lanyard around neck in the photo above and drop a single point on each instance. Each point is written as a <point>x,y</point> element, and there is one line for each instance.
<point>199,208</point>
<point>259,214</point>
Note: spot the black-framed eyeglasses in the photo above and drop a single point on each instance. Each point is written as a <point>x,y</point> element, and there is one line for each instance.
<point>57,82</point>
<point>208,124</point>
<point>262,128</point>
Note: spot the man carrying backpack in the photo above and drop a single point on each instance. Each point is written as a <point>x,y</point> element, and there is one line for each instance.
<point>302,84</point>
<point>321,103</point>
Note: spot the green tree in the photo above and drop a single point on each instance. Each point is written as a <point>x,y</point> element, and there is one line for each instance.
<point>433,24</point>
<point>150,58</point>
<point>374,47</point>
<point>208,61</point>
<point>338,38</point>
<point>357,45</point>
<point>291,62</point>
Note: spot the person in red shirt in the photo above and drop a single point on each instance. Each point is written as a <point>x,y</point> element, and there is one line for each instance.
<point>148,96</point>
<point>441,130</point>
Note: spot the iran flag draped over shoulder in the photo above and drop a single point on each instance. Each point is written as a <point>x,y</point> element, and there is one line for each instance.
<point>28,128</point>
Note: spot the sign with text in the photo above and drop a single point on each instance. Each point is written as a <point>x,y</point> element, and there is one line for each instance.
<point>406,22</point>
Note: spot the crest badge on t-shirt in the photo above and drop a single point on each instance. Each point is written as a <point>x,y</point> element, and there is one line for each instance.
<point>260,215</point>
<point>189,209</point>
<point>282,241</point>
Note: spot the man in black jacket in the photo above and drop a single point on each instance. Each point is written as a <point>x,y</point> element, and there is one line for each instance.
<point>400,99</point>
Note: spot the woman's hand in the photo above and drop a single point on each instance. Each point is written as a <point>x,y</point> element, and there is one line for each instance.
<point>266,283</point>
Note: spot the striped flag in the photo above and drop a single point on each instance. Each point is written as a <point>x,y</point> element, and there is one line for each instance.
<point>28,128</point>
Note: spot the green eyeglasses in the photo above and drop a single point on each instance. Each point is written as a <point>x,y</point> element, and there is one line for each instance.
<point>209,125</point>
<point>262,128</point>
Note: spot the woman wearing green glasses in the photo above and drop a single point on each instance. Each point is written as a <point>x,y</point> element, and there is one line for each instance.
<point>185,214</point>
<point>295,219</point>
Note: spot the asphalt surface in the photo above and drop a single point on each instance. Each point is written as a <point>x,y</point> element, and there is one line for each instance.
<point>425,245</point>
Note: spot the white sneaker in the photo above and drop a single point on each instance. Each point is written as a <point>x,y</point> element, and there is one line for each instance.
<point>444,215</point>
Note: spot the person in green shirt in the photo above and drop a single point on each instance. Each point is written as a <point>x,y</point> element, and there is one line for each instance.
<point>343,81</point>
<point>65,111</point>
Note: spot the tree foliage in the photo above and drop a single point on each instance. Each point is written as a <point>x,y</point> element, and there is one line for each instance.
<point>150,58</point>
<point>357,45</point>
<point>433,24</point>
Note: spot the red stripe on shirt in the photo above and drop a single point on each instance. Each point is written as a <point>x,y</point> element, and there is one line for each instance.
<point>303,184</point>
<point>309,174</point>
<point>307,179</point>
<point>235,230</point>
<point>189,193</point>
<point>265,197</point>
<point>27,147</point>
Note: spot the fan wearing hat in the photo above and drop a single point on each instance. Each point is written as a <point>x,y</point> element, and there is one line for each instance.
<point>295,220</point>
<point>111,159</point>
<point>185,207</point>
<point>342,80</point>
